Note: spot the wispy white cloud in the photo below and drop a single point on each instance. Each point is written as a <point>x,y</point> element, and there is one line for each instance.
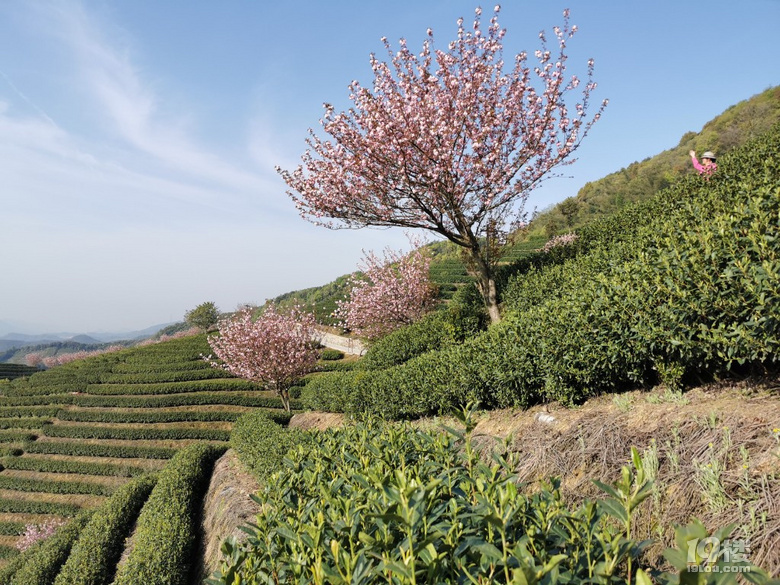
<point>135,111</point>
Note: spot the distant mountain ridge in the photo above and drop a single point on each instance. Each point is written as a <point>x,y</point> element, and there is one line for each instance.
<point>14,340</point>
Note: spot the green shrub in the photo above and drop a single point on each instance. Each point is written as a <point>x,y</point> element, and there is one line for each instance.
<point>148,416</point>
<point>44,465</point>
<point>331,354</point>
<point>262,442</point>
<point>194,399</point>
<point>11,528</point>
<point>221,385</point>
<point>22,423</point>
<point>94,557</point>
<point>187,375</point>
<point>31,507</point>
<point>166,532</point>
<point>23,484</point>
<point>16,437</point>
<point>82,449</point>
<point>143,433</point>
<point>397,504</point>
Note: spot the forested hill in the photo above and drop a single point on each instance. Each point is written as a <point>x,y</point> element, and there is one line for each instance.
<point>641,180</point>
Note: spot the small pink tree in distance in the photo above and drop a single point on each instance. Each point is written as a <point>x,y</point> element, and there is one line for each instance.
<point>35,532</point>
<point>447,141</point>
<point>274,350</point>
<point>394,291</point>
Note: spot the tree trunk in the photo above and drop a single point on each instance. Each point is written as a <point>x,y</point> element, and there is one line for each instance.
<point>486,283</point>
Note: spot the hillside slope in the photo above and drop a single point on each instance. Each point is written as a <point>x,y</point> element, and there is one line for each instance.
<point>639,181</point>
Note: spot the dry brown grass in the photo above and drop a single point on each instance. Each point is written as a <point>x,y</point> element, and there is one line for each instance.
<point>717,453</point>
<point>227,506</point>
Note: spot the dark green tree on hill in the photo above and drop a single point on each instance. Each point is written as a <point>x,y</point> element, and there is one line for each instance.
<point>203,316</point>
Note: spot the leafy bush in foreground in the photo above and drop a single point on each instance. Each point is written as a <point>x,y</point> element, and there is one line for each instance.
<point>396,504</point>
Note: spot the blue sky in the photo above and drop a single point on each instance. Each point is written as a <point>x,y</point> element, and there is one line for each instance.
<point>138,138</point>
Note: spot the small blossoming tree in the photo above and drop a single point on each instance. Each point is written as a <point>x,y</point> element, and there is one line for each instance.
<point>274,350</point>
<point>35,532</point>
<point>447,141</point>
<point>394,291</point>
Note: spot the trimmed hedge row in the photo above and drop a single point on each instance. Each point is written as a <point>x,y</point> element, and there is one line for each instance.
<point>131,434</point>
<point>187,399</point>
<point>94,557</point>
<point>165,376</point>
<point>262,442</point>
<point>41,464</point>
<point>157,367</point>
<point>22,423</point>
<point>194,399</point>
<point>12,528</point>
<point>166,531</point>
<point>32,401</point>
<point>110,416</point>
<point>31,507</point>
<point>40,564</point>
<point>221,385</point>
<point>23,484</point>
<point>79,449</point>
<point>30,411</point>
<point>13,371</point>
<point>16,437</point>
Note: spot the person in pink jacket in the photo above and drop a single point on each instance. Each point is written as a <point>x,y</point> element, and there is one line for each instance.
<point>707,165</point>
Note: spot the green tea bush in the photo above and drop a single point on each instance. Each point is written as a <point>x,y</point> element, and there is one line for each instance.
<point>393,503</point>
<point>31,507</point>
<point>187,375</point>
<point>193,399</point>
<point>11,528</point>
<point>23,484</point>
<point>44,465</point>
<point>329,354</point>
<point>16,437</point>
<point>261,442</point>
<point>7,412</point>
<point>149,416</point>
<point>22,423</point>
<point>94,557</point>
<point>460,319</point>
<point>156,368</point>
<point>132,434</point>
<point>221,385</point>
<point>82,449</point>
<point>166,532</point>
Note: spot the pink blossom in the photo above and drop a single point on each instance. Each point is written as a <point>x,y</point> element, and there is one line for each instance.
<point>448,141</point>
<point>274,350</point>
<point>557,241</point>
<point>394,291</point>
<point>35,532</point>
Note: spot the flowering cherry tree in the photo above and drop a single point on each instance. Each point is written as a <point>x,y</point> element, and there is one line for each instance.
<point>394,291</point>
<point>275,350</point>
<point>446,141</point>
